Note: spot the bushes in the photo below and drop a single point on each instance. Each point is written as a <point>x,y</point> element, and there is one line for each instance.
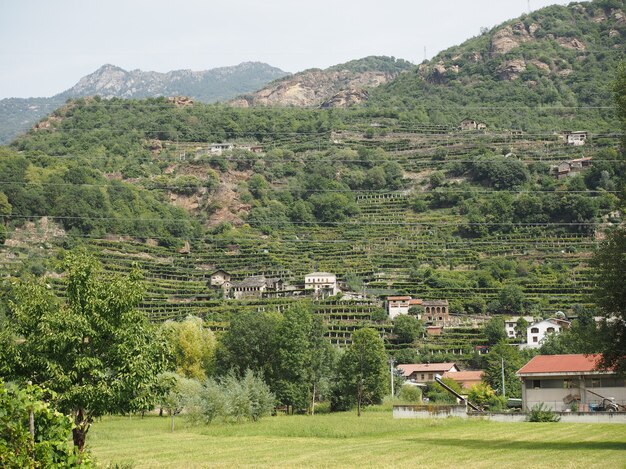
<point>230,398</point>
<point>49,447</point>
<point>410,393</point>
<point>539,413</point>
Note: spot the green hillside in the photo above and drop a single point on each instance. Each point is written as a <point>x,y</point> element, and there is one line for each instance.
<point>388,197</point>
<point>547,69</point>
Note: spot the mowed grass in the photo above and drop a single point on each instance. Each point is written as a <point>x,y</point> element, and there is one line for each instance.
<point>345,440</point>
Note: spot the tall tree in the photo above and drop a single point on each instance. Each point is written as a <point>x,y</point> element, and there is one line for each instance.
<point>94,348</point>
<point>250,343</point>
<point>193,347</point>
<point>503,356</point>
<point>304,357</point>
<point>363,370</point>
<point>294,355</point>
<point>609,264</point>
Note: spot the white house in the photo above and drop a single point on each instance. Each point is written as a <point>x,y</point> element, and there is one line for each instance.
<point>397,305</point>
<point>537,332</point>
<point>510,324</point>
<point>576,138</point>
<point>323,284</point>
<point>219,148</point>
<point>569,382</point>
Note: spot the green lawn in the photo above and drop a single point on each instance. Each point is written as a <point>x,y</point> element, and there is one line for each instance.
<point>344,440</point>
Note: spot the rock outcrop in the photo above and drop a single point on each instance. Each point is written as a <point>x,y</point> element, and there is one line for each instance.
<point>339,86</point>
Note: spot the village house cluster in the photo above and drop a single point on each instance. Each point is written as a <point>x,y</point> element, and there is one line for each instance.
<point>319,285</point>
<point>219,148</point>
<point>430,311</point>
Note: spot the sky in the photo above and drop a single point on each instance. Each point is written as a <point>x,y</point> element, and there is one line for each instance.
<point>47,46</point>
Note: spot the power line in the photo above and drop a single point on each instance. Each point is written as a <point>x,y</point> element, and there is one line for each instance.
<point>357,192</point>
<point>316,223</point>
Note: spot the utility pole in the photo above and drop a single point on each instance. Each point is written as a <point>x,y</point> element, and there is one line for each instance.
<point>503,386</point>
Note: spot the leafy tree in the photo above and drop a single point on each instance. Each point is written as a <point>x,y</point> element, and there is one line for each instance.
<point>407,328</point>
<point>494,330</point>
<point>94,349</point>
<point>410,393</point>
<point>250,343</point>
<point>32,432</point>
<point>192,346</point>
<point>362,371</point>
<point>294,355</point>
<point>180,394</point>
<point>513,360</point>
<point>247,398</point>
<point>521,328</point>
<point>437,393</point>
<point>511,299</point>
<point>483,395</point>
<point>610,296</point>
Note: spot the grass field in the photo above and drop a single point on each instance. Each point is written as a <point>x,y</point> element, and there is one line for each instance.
<point>345,440</point>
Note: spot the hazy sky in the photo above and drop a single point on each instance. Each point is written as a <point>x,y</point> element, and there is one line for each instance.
<point>46,46</point>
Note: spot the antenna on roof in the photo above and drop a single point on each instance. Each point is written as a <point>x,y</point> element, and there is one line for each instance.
<point>528,2</point>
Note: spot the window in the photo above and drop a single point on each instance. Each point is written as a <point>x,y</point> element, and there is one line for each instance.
<point>550,329</point>
<point>534,330</point>
<point>536,384</point>
<point>430,376</point>
<point>535,338</point>
<point>422,376</point>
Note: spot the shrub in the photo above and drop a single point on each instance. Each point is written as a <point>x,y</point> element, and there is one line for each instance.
<point>539,413</point>
<point>49,447</point>
<point>409,393</point>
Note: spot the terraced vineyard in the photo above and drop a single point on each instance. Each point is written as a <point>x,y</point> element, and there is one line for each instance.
<point>387,245</point>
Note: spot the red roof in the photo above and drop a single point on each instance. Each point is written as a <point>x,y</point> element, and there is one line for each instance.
<point>409,369</point>
<point>416,301</point>
<point>575,363</point>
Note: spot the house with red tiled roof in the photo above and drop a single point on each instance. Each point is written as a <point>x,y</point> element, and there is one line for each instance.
<point>426,372</point>
<point>465,379</point>
<point>569,382</point>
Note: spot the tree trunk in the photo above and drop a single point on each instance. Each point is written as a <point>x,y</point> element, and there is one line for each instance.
<point>79,433</point>
<point>172,424</point>
<point>31,424</point>
<point>313,401</point>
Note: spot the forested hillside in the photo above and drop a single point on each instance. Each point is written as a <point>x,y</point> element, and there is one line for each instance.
<point>535,72</point>
<point>392,197</point>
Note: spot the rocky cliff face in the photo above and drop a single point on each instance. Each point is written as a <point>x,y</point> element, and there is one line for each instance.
<point>509,49</point>
<point>333,87</point>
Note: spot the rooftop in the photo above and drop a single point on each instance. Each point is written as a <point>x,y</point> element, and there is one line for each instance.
<point>575,363</point>
<point>255,281</point>
<point>410,368</point>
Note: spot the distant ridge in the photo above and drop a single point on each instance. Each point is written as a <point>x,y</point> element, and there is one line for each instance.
<point>218,84</point>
